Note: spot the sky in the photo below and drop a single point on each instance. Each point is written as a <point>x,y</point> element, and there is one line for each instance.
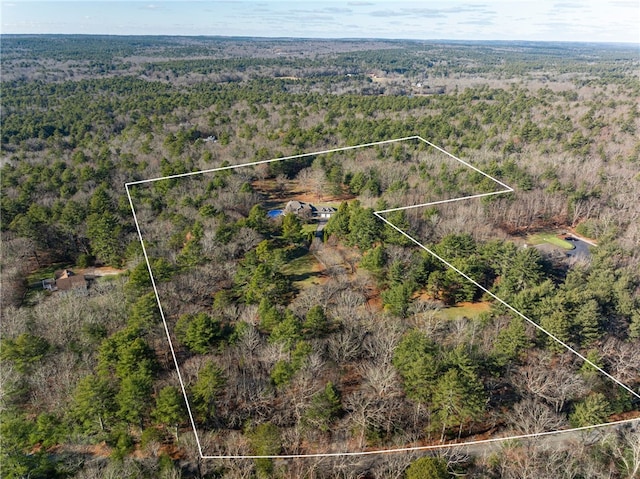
<point>539,20</point>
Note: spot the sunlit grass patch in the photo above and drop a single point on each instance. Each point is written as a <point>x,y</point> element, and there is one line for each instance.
<point>540,238</point>
<point>464,310</point>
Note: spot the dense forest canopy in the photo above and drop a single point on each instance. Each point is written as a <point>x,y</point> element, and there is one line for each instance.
<point>295,333</point>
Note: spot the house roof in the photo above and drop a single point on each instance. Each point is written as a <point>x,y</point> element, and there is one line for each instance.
<point>65,273</point>
<point>296,205</point>
<point>327,209</point>
<point>71,282</point>
<point>67,279</point>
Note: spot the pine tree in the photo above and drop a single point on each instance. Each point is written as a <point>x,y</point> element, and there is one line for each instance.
<point>92,402</point>
<point>594,409</point>
<point>338,224</point>
<point>170,409</point>
<point>416,361</point>
<point>316,322</point>
<point>428,468</point>
<point>397,298</point>
<point>292,228</point>
<point>145,312</point>
<point>132,398</point>
<point>207,388</point>
<point>393,236</point>
<point>287,332</point>
<point>557,324</point>
<point>587,320</point>
<point>325,407</point>
<point>511,342</point>
<point>199,332</point>
<point>265,440</point>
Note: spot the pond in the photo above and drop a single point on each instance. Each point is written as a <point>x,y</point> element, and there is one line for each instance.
<point>274,213</point>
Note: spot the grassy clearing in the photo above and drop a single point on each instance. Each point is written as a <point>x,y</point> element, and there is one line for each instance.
<point>304,271</point>
<point>540,238</point>
<point>468,310</point>
<point>309,228</point>
<point>46,272</point>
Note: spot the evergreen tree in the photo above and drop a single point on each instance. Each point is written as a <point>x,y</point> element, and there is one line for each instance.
<point>92,402</point>
<point>258,220</point>
<point>374,259</point>
<point>191,254</point>
<point>397,299</point>
<point>199,332</point>
<point>132,398</point>
<point>456,399</point>
<point>525,271</point>
<point>292,228</point>
<point>338,224</point>
<point>364,227</point>
<point>269,315</point>
<point>557,324</point>
<point>416,361</point>
<point>316,322</point>
<point>265,440</point>
<point>325,407</point>
<point>145,312</point>
<point>24,350</point>
<point>206,389</point>
<point>105,232</point>
<point>287,332</point>
<point>393,236</point>
<point>170,409</point>
<point>594,409</point>
<point>428,468</point>
<point>511,342</point>
<point>587,321</point>
<point>634,327</point>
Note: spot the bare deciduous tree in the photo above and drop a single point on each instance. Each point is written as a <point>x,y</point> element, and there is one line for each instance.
<point>556,384</point>
<point>530,416</point>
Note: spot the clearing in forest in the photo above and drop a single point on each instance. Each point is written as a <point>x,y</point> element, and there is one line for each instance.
<point>305,386</point>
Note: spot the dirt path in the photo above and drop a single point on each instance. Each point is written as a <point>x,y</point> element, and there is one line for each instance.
<point>99,271</point>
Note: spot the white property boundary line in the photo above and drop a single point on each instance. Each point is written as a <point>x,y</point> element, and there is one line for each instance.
<point>507,189</point>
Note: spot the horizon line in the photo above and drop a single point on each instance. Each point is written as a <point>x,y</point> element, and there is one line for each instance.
<point>338,39</point>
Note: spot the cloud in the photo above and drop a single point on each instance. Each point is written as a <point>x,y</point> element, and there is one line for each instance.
<point>568,6</point>
<point>475,9</point>
<point>360,4</point>
<point>337,10</point>
<point>390,13</point>
<point>625,3</point>
<point>480,21</point>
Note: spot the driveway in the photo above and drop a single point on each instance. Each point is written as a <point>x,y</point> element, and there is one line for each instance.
<point>581,248</point>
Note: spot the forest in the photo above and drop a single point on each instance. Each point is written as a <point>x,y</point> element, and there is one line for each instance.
<point>294,334</point>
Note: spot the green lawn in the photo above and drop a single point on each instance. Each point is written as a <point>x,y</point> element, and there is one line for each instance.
<point>303,271</point>
<point>468,310</point>
<point>46,272</point>
<point>540,238</point>
<point>309,228</point>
